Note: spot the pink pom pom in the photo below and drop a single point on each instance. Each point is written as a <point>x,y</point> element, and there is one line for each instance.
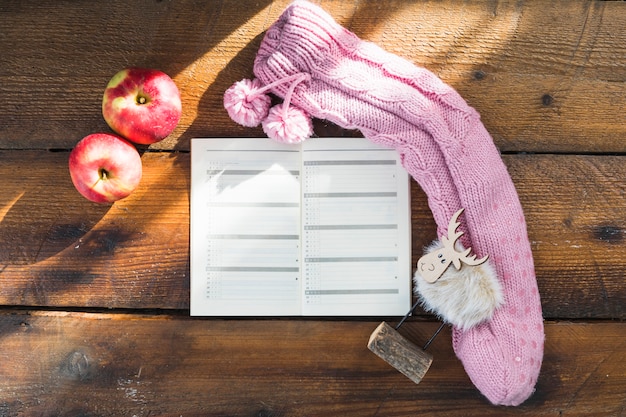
<point>244,104</point>
<point>290,125</point>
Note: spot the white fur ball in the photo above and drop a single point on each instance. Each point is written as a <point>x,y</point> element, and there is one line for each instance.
<point>465,297</point>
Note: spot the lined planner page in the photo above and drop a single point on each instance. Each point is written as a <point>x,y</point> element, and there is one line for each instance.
<point>355,229</point>
<point>245,228</point>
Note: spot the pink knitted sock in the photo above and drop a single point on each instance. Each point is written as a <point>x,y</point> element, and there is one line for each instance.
<point>446,149</point>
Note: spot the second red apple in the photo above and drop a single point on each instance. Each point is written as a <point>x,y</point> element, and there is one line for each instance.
<point>104,167</point>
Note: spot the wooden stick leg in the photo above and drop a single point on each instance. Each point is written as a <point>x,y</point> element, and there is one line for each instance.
<point>400,353</point>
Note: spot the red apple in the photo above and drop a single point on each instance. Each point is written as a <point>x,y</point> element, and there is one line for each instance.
<point>143,105</point>
<point>104,167</point>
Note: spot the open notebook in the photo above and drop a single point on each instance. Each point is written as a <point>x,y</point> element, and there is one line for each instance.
<point>318,229</point>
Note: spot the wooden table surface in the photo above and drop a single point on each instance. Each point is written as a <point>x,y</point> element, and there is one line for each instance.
<point>94,317</point>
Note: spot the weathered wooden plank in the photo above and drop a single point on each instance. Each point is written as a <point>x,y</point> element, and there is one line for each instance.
<point>546,76</point>
<point>58,249</point>
<point>112,365</point>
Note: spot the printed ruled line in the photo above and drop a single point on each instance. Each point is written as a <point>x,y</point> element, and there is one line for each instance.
<point>352,227</point>
<point>255,237</point>
<point>349,195</point>
<point>351,162</point>
<point>353,292</point>
<point>255,150</point>
<point>249,204</point>
<point>251,269</point>
<point>248,172</point>
<point>353,259</point>
<point>366,149</point>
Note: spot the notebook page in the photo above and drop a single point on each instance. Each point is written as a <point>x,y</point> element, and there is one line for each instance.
<point>355,229</point>
<point>245,228</point>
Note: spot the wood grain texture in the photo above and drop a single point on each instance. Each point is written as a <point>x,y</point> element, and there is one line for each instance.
<point>59,250</point>
<point>549,79</point>
<point>404,355</point>
<point>546,76</point>
<point>113,365</point>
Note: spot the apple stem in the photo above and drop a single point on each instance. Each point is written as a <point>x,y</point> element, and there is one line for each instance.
<point>103,173</point>
<point>141,100</point>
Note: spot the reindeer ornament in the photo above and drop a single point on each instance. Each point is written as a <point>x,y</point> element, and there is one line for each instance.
<point>465,295</point>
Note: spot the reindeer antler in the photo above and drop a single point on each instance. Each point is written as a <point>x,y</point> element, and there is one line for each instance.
<point>471,260</point>
<point>453,235</point>
<point>450,241</point>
